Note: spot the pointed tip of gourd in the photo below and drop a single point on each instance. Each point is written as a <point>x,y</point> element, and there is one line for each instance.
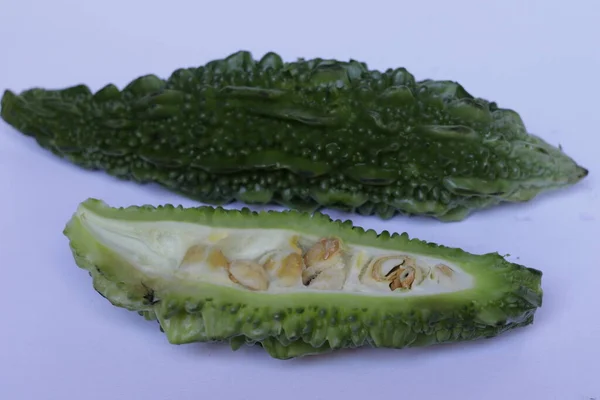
<point>7,93</point>
<point>8,97</point>
<point>582,172</point>
<point>578,174</point>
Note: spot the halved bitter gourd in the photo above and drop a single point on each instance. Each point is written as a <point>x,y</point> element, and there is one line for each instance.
<point>293,282</point>
<point>306,134</point>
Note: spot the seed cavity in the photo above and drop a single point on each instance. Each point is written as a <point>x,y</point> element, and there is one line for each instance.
<point>325,263</point>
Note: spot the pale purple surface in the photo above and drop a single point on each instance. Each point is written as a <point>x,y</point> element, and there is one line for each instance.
<point>60,340</point>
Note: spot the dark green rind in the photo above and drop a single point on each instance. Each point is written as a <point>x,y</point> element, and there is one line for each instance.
<point>305,134</point>
<point>505,297</point>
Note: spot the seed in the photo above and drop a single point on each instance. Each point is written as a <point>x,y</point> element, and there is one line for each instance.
<point>400,272</point>
<point>444,269</point>
<point>404,278</point>
<point>217,259</point>
<point>446,275</point>
<point>270,265</point>
<point>195,254</point>
<point>393,265</point>
<point>323,250</point>
<point>290,270</point>
<point>324,254</point>
<point>294,244</point>
<point>248,274</point>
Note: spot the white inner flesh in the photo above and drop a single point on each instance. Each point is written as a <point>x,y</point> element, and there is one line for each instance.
<point>272,260</point>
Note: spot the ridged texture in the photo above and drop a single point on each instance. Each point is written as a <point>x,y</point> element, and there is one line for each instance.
<point>290,325</point>
<point>304,134</point>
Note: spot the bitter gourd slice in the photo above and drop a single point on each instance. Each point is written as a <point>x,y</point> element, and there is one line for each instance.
<point>296,283</point>
<point>306,134</point>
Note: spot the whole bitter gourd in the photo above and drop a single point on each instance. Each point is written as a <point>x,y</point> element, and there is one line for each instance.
<point>306,134</point>
<point>293,282</point>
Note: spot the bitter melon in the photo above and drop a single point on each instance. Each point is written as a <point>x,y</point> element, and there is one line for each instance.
<point>293,282</point>
<point>305,134</point>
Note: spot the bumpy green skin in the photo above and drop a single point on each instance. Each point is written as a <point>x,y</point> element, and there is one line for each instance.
<point>291,325</point>
<point>305,134</point>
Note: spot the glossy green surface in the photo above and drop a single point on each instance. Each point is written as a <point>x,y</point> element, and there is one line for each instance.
<point>298,323</point>
<point>303,134</point>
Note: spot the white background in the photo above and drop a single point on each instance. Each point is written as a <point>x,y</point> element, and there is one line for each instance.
<point>61,340</point>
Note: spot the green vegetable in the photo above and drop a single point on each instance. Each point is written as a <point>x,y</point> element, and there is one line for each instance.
<point>306,134</point>
<point>293,282</point>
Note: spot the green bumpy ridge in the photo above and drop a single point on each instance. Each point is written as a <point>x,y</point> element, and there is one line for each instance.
<point>288,325</point>
<point>306,134</point>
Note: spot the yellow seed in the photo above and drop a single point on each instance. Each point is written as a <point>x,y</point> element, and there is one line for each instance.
<point>378,273</point>
<point>444,269</point>
<point>403,278</point>
<point>294,244</point>
<point>331,247</point>
<point>323,250</point>
<point>195,254</point>
<point>270,265</point>
<point>249,274</point>
<point>217,259</point>
<point>291,269</point>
